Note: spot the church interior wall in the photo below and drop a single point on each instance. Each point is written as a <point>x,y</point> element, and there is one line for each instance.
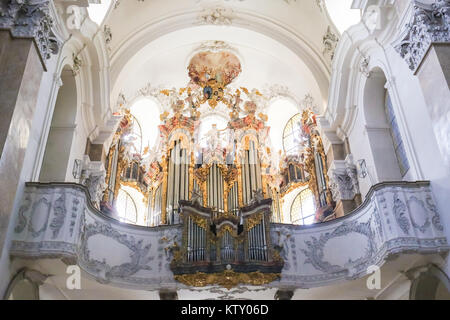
<point>355,114</point>
<point>425,159</point>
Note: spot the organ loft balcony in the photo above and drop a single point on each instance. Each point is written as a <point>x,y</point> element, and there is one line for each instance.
<point>396,222</point>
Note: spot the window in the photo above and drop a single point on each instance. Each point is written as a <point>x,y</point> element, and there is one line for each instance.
<point>145,130</point>
<point>303,208</point>
<point>396,137</point>
<point>126,208</point>
<point>292,135</point>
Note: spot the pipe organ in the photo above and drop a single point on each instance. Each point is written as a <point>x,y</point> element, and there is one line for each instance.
<point>225,193</point>
<point>215,185</point>
<point>225,172</point>
<point>215,242</point>
<point>223,185</point>
<point>224,167</point>
<point>250,172</point>
<point>177,180</point>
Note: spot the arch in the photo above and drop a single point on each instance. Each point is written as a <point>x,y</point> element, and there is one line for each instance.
<point>381,129</point>
<point>21,287</point>
<point>55,164</point>
<point>432,284</point>
<point>181,135</point>
<point>275,30</point>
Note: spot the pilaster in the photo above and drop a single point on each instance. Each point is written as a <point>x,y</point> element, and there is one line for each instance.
<point>425,46</point>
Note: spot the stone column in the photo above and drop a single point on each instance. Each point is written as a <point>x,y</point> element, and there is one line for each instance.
<point>426,49</point>
<point>25,44</point>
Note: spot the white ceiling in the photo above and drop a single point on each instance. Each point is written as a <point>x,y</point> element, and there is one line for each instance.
<point>265,62</point>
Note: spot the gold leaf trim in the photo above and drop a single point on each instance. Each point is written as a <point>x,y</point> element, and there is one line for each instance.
<point>227,279</point>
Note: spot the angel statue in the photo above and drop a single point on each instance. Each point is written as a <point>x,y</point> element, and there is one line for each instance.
<point>258,196</point>
<point>213,137</point>
<point>196,196</point>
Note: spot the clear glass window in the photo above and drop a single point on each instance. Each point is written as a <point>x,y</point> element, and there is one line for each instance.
<point>292,135</point>
<point>303,208</point>
<point>396,137</point>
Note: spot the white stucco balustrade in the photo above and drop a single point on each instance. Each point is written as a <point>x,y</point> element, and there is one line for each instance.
<point>57,220</point>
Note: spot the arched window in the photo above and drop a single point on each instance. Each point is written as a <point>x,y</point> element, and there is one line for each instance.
<point>396,137</point>
<point>303,208</point>
<point>291,135</point>
<point>126,207</point>
<point>277,120</point>
<point>145,130</point>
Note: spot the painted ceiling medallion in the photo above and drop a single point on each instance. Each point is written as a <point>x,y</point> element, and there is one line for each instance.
<point>213,71</point>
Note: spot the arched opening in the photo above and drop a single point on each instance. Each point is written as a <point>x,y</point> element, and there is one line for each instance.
<point>55,165</point>
<point>383,132</point>
<point>21,286</point>
<point>433,284</point>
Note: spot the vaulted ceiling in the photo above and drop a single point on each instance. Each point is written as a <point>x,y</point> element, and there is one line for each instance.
<point>280,43</point>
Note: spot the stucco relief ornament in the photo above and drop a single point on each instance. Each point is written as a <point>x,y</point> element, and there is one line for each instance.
<point>352,172</point>
<point>429,23</point>
<point>216,16</point>
<point>108,36</point>
<point>22,219</point>
<point>139,255</point>
<point>309,103</point>
<point>364,67</point>
<point>77,64</point>
<point>196,196</point>
<point>30,19</point>
<point>96,185</point>
<point>59,213</point>
<point>315,247</point>
<point>436,220</point>
<point>400,212</point>
<point>258,196</point>
<point>282,240</point>
<point>330,41</point>
<point>342,186</point>
<point>215,46</point>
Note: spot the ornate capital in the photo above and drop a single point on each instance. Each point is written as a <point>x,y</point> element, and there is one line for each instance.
<point>30,19</point>
<point>343,180</point>
<point>341,186</point>
<point>94,178</point>
<point>429,23</point>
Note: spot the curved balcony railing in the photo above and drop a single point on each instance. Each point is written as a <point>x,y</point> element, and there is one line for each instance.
<point>57,220</point>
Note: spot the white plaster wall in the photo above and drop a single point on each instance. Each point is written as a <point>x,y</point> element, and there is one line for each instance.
<point>42,117</point>
<point>45,92</point>
<point>426,161</point>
